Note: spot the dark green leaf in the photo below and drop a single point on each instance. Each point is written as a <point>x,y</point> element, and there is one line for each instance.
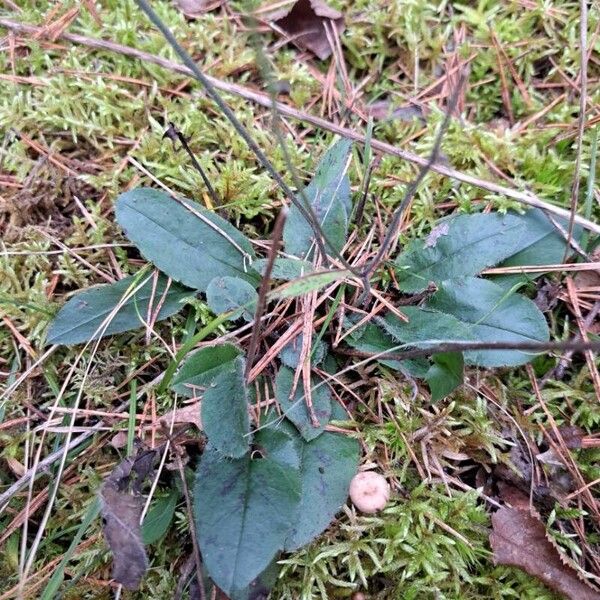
<point>290,355</point>
<point>284,268</point>
<point>159,517</point>
<point>445,374</point>
<point>81,318</point>
<point>186,241</point>
<point>543,244</point>
<point>491,314</point>
<point>329,195</point>
<point>228,293</point>
<point>280,442</point>
<point>295,408</point>
<point>370,338</point>
<point>202,368</point>
<point>472,309</point>
<point>243,510</point>
<point>462,246</point>
<point>260,587</point>
<point>327,465</point>
<point>425,327</point>
<point>224,411</point>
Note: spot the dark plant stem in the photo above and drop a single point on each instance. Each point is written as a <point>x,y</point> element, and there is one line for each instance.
<point>173,133</point>
<point>574,345</point>
<point>320,237</point>
<point>392,230</point>
<point>263,289</point>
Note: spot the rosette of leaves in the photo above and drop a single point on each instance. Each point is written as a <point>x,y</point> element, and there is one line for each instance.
<point>465,306</point>
<point>263,488</point>
<point>259,490</point>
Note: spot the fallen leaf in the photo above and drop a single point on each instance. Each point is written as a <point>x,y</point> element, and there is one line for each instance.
<point>519,540</point>
<point>195,8</point>
<point>547,296</point>
<point>383,110</point>
<point>516,497</point>
<point>15,466</point>
<point>572,436</point>
<point>121,509</point>
<point>591,278</point>
<point>119,440</point>
<point>190,413</point>
<point>304,24</point>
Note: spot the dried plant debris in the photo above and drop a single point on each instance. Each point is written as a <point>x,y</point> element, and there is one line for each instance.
<point>196,8</point>
<point>305,23</point>
<point>121,508</point>
<point>384,110</point>
<point>519,540</point>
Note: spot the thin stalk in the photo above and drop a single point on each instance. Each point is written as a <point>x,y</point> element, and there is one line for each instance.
<point>320,237</point>
<point>173,133</point>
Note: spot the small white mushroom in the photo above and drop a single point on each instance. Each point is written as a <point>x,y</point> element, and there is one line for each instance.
<point>369,491</point>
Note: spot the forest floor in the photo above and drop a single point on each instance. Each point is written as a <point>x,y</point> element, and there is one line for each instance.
<point>82,123</point>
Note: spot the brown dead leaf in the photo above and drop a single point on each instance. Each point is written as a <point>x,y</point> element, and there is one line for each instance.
<point>304,24</point>
<point>589,279</point>
<point>519,540</point>
<point>572,436</point>
<point>383,110</point>
<point>119,440</point>
<point>190,413</point>
<point>196,8</point>
<point>121,508</point>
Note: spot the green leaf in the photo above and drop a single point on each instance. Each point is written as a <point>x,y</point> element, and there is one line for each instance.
<point>426,327</point>
<point>462,246</point>
<point>308,283</point>
<point>329,195</point>
<point>284,268</point>
<point>224,411</point>
<point>243,510</point>
<point>491,314</point>
<point>327,464</point>
<point>370,338</point>
<point>542,245</point>
<point>445,374</point>
<point>260,587</point>
<point>187,242</point>
<point>295,408</point>
<point>202,368</point>
<point>159,517</point>
<point>80,319</point>
<point>228,293</point>
<point>279,441</point>
<point>290,355</point>
<point>472,309</point>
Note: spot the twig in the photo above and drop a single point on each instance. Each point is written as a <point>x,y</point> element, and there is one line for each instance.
<point>174,134</point>
<point>559,371</point>
<point>263,289</point>
<point>44,464</point>
<point>583,24</point>
<point>188,505</point>
<point>261,99</point>
<point>575,345</point>
<point>392,230</point>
